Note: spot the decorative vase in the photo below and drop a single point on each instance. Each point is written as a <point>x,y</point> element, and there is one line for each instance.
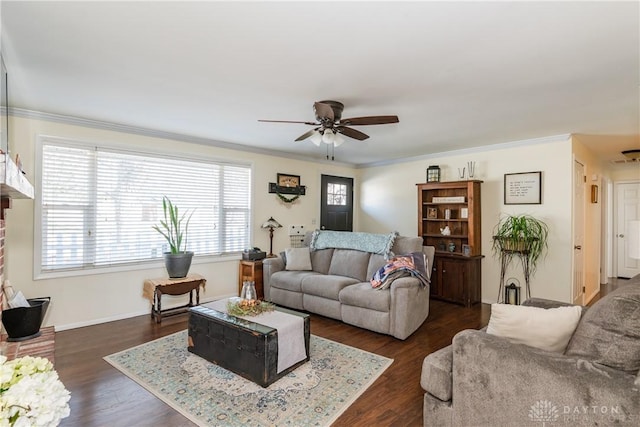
<point>249,291</point>
<point>178,265</point>
<point>23,323</point>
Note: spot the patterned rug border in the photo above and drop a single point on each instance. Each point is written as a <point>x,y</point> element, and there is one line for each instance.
<point>166,399</point>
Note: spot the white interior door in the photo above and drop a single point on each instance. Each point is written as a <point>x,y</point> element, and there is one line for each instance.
<point>578,232</point>
<point>627,209</point>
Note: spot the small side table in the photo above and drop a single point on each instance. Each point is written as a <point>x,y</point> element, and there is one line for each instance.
<point>251,271</point>
<point>155,288</point>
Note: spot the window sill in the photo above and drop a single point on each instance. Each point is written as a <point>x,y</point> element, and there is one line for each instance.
<point>143,265</point>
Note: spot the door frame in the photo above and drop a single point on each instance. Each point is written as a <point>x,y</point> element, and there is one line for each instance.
<point>580,296</point>
<point>354,193</point>
<point>614,222</point>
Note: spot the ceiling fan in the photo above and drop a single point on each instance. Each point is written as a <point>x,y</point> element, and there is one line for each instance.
<point>330,126</point>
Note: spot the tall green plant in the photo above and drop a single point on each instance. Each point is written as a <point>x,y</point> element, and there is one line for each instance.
<point>172,226</point>
<point>523,235</point>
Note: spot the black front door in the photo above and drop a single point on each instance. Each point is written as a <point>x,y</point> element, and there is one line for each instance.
<point>336,212</point>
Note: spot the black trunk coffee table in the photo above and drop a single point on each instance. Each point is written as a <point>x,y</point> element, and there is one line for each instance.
<point>242,346</point>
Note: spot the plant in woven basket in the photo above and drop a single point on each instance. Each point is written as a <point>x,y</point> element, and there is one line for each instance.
<point>522,235</point>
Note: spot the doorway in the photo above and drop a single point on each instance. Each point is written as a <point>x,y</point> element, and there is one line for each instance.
<point>578,232</point>
<point>627,209</point>
<point>336,203</point>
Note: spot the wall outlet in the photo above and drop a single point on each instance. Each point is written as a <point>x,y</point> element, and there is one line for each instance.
<point>296,230</point>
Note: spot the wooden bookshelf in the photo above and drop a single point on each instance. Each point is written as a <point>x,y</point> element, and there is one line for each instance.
<point>456,271</point>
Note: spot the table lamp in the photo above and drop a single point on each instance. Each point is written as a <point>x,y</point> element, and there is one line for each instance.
<point>271,224</point>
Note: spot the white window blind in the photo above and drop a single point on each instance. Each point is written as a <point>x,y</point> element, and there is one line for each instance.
<point>99,205</point>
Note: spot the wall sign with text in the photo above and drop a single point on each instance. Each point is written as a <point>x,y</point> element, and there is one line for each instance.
<point>523,188</point>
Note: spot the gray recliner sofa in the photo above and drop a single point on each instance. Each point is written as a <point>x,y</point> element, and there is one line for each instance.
<point>338,287</point>
<point>485,380</point>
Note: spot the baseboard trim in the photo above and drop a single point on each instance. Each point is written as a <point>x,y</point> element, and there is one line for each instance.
<point>146,312</point>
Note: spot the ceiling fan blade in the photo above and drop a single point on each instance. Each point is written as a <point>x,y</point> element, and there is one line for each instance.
<point>352,133</point>
<point>289,121</point>
<point>371,120</point>
<point>306,135</point>
<point>323,110</point>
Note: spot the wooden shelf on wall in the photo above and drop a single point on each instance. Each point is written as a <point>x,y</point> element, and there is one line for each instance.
<point>273,188</point>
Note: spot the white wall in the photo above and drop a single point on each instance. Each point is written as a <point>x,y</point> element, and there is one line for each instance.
<point>88,299</point>
<point>388,201</point>
<point>385,199</point>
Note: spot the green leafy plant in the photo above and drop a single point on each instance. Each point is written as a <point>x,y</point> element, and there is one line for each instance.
<point>521,235</point>
<point>174,226</point>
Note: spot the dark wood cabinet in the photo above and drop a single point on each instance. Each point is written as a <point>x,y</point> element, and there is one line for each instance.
<point>456,279</point>
<point>454,205</point>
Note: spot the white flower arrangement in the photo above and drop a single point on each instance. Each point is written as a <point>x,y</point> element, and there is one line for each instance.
<point>31,393</point>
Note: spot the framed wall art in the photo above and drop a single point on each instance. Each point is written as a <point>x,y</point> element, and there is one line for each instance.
<point>286,180</point>
<point>523,188</point>
<point>432,213</point>
<point>466,250</point>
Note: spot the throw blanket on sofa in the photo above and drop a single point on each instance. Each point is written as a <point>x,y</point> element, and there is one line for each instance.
<point>413,264</point>
<point>365,242</point>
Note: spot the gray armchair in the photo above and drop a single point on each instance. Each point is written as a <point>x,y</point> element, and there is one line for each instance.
<point>485,380</point>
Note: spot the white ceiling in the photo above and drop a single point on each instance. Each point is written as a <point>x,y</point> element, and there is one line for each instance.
<point>458,75</point>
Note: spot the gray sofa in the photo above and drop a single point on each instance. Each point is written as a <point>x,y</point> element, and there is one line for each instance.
<point>484,380</point>
<point>338,287</point>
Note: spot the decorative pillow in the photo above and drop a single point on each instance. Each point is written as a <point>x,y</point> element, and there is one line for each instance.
<point>545,328</point>
<point>298,259</point>
<point>609,332</point>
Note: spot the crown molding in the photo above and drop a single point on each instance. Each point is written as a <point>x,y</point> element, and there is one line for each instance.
<point>483,148</point>
<point>136,130</point>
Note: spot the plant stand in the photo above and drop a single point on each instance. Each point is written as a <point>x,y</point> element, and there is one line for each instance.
<point>506,256</point>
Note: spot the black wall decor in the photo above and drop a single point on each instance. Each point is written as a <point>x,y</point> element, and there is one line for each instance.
<point>275,188</point>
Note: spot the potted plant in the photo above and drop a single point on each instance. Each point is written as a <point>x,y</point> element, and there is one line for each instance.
<point>523,236</point>
<point>174,228</point>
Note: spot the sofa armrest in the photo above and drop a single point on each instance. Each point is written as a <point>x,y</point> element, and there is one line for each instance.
<point>409,306</point>
<point>270,266</point>
<point>436,377</point>
<point>517,380</point>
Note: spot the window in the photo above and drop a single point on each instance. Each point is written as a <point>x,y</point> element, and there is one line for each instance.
<point>336,194</point>
<point>98,205</point>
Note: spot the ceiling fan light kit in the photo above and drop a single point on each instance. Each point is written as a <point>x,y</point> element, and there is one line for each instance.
<point>326,136</point>
<point>330,127</point>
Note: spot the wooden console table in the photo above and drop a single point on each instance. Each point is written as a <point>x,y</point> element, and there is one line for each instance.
<point>155,288</point>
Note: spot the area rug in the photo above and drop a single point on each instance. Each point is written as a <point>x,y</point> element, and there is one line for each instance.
<point>315,394</point>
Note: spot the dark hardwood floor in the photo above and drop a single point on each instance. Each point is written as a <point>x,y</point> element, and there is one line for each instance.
<point>102,396</point>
